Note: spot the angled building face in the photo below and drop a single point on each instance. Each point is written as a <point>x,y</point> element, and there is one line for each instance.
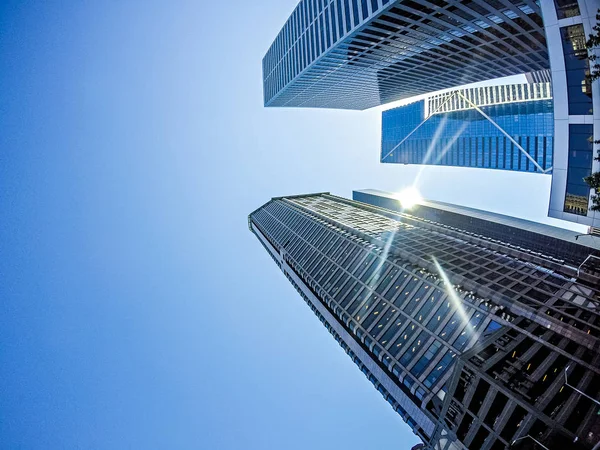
<point>576,121</point>
<point>495,127</point>
<point>356,54</point>
<point>557,247</point>
<point>466,339</point>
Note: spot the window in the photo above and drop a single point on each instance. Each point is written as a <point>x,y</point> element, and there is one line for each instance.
<point>338,285</point>
<point>441,369</point>
<point>405,291</point>
<point>566,8</point>
<point>350,295</point>
<point>430,303</point>
<point>340,17</point>
<point>579,88</point>
<point>372,270</point>
<point>417,300</point>
<point>411,352</point>
<point>374,5</point>
<point>402,339</point>
<point>373,315</point>
<point>358,300</point>
<point>355,12</point>
<point>439,316</point>
<point>347,15</point>
<point>365,309</point>
<point>451,326</point>
<point>365,9</point>
<point>392,330</point>
<point>383,321</point>
<point>580,166</point>
<point>424,361</point>
<point>388,278</point>
<point>463,339</point>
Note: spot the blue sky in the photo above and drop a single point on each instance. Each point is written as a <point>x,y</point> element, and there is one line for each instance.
<point>136,309</point>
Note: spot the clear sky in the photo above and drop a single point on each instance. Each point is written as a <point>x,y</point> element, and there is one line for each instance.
<point>136,309</point>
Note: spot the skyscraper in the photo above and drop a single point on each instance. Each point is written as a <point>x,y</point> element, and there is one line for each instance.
<point>507,127</point>
<point>468,338</point>
<point>567,25</point>
<point>557,246</point>
<point>356,54</point>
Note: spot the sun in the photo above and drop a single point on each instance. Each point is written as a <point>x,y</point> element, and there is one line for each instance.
<point>409,197</point>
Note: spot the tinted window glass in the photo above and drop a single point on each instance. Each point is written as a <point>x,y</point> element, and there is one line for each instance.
<point>580,166</point>
<point>566,8</point>
<point>440,369</point>
<point>579,87</point>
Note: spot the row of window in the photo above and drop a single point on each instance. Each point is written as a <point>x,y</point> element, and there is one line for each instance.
<point>486,96</point>
<point>363,368</point>
<point>313,27</point>
<point>478,45</point>
<point>375,313</point>
<point>532,241</point>
<point>389,308</point>
<point>529,284</point>
<point>467,138</point>
<point>497,152</point>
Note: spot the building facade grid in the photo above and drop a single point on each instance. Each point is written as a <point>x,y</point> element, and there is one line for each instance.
<point>356,54</point>
<point>507,127</point>
<point>371,270</point>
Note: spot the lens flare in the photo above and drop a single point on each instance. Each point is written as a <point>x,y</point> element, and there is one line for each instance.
<point>454,297</point>
<point>409,197</point>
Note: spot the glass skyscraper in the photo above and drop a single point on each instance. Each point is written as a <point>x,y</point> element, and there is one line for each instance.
<point>567,25</point>
<point>496,127</point>
<point>467,337</point>
<point>356,54</point>
<point>557,246</point>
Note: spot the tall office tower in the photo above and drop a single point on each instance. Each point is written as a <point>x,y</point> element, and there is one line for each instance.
<point>495,127</point>
<point>356,54</point>
<point>567,24</point>
<point>469,339</point>
<point>573,254</point>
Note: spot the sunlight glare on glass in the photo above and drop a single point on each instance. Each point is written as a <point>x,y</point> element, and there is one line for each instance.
<point>453,296</point>
<point>409,197</point>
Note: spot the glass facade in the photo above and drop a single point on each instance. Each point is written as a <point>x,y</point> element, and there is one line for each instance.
<point>452,131</point>
<point>581,158</point>
<point>566,8</point>
<point>356,54</point>
<point>437,321</point>
<point>520,235</point>
<point>577,65</point>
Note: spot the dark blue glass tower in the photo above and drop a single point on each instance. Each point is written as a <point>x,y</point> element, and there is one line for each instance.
<point>496,127</point>
<point>467,334</point>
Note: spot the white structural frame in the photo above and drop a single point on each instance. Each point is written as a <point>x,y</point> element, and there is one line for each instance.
<point>577,390</point>
<point>562,119</point>
<point>530,437</point>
